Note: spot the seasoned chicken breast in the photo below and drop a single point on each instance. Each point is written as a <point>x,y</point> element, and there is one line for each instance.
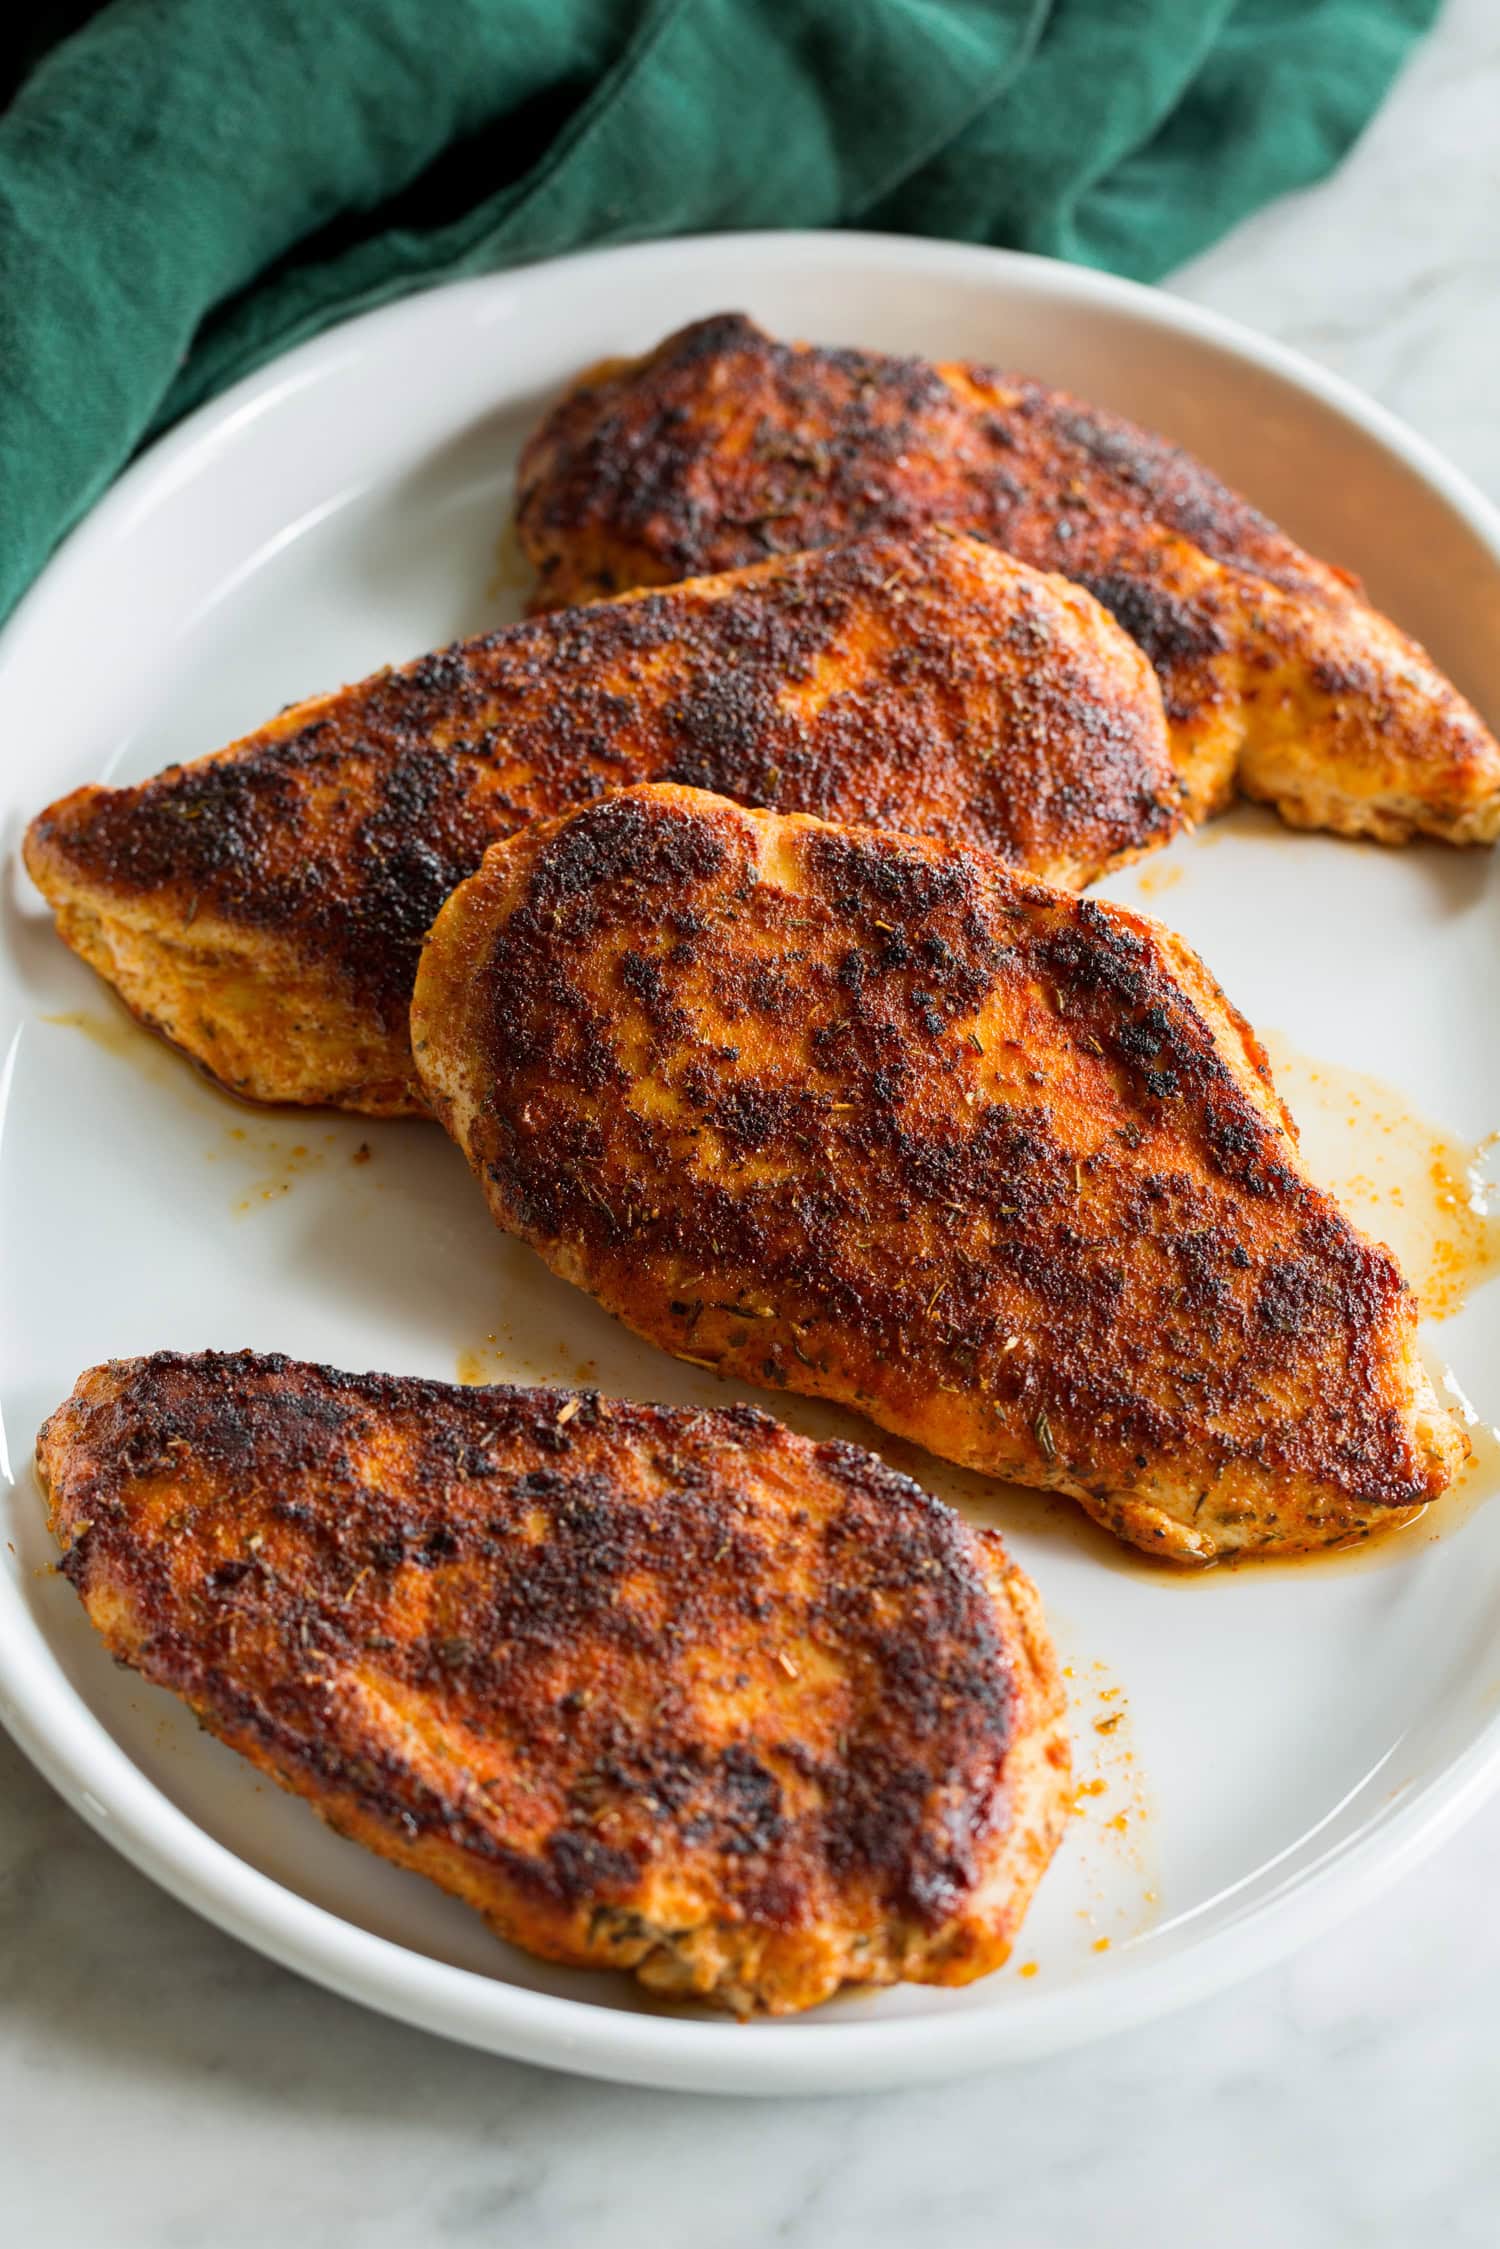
<point>674,1692</point>
<point>856,1115</point>
<point>722,446</point>
<point>264,907</point>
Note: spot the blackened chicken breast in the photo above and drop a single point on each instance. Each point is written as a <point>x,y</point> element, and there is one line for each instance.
<point>667,1691</point>
<point>1280,679</point>
<point>848,1113</point>
<point>264,907</point>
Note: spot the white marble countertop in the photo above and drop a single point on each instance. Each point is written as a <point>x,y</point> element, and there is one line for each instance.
<point>163,2088</point>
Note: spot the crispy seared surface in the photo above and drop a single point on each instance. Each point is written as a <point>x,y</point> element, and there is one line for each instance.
<point>264,907</point>
<point>723,445</point>
<point>670,1691</point>
<point>852,1114</point>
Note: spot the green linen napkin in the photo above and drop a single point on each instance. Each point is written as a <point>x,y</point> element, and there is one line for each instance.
<point>189,186</point>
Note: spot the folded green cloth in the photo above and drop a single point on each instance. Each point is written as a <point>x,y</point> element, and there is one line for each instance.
<point>188,186</point>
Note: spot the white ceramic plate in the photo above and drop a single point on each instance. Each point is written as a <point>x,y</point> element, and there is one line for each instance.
<point>1291,1738</point>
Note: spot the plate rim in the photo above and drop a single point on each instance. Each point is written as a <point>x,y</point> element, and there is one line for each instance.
<point>71,1747</point>
<point>815,2055</point>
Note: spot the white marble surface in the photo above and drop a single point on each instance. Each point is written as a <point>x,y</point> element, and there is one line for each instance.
<point>163,2088</point>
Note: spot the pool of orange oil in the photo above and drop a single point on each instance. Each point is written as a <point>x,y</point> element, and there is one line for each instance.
<point>1434,1199</point>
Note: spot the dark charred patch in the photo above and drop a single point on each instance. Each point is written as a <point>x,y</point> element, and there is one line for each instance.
<point>883,872</point>
<point>624,841</point>
<point>1172,631</point>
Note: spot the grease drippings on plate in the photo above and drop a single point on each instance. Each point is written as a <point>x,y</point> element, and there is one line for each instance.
<point>1434,1199</point>
<point>1160,875</point>
<point>1471,1489</point>
<point>277,1160</point>
<point>1111,1797</point>
<point>500,1359</point>
<point>114,1031</point>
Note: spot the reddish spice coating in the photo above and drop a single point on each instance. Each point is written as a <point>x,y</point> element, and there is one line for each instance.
<point>724,445</point>
<point>651,1687</point>
<point>849,1113</point>
<point>266,905</point>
